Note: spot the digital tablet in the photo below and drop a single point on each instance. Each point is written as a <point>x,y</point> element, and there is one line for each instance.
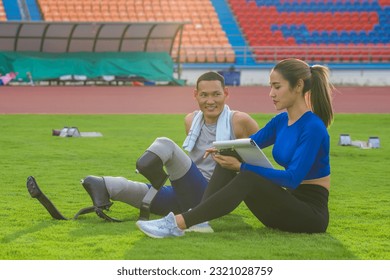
<point>245,150</point>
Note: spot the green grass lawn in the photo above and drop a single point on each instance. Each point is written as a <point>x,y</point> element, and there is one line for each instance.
<point>359,200</point>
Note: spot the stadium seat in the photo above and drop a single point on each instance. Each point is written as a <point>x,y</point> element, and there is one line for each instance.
<point>3,16</point>
<point>345,25</point>
<point>200,14</point>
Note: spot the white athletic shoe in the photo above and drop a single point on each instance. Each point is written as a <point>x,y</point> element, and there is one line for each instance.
<point>161,228</point>
<point>202,227</point>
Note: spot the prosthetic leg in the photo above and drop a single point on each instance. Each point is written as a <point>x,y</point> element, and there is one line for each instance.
<point>100,201</point>
<point>97,190</point>
<point>151,167</point>
<point>36,192</point>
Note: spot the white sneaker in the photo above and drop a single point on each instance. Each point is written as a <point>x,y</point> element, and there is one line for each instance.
<point>161,228</point>
<point>202,227</point>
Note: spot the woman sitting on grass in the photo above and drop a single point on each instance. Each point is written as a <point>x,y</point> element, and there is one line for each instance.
<point>294,199</point>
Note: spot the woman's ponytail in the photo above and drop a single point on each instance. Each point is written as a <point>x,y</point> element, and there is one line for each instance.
<point>321,94</point>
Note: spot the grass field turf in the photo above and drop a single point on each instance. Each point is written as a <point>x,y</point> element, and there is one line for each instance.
<point>359,199</point>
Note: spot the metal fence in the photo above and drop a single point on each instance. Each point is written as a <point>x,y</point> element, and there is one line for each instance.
<point>269,54</point>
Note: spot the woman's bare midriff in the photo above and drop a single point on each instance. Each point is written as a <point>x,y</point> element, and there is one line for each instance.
<point>323,181</point>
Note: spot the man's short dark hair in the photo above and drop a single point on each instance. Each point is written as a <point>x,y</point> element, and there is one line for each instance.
<point>211,76</point>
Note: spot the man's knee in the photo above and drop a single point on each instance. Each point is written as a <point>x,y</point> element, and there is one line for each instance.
<point>164,142</point>
<point>175,160</point>
<point>165,148</point>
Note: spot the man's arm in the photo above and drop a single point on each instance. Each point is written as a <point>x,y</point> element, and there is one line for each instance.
<point>244,125</point>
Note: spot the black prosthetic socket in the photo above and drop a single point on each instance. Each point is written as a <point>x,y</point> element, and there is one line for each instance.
<point>151,167</point>
<point>97,190</point>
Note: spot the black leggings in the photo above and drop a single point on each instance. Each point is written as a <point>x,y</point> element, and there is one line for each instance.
<point>302,210</point>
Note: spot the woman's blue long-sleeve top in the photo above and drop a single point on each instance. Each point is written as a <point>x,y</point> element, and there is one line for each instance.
<point>301,148</point>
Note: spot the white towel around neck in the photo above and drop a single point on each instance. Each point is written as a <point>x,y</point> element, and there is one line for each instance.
<point>223,128</point>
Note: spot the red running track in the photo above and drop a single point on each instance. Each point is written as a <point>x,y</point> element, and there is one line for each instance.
<point>165,100</point>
